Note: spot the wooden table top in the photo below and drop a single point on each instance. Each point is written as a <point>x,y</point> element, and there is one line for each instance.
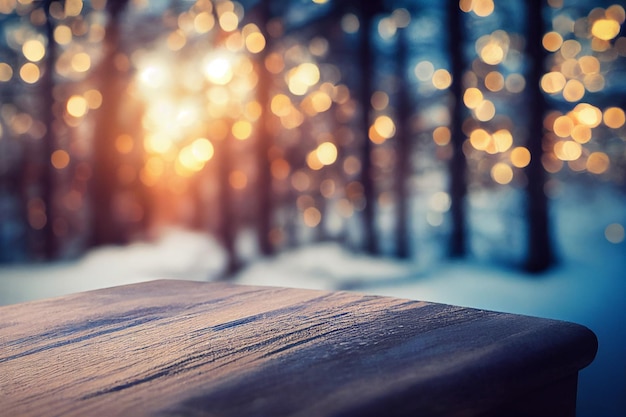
<point>172,348</point>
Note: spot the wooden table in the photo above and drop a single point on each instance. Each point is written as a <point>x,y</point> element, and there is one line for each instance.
<point>179,348</point>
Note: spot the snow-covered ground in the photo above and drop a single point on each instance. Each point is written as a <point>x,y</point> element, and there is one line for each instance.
<point>587,287</point>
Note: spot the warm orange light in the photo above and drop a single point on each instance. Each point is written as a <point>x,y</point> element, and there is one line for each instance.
<point>60,159</point>
<point>502,139</point>
<point>281,105</point>
<point>34,50</point>
<point>480,139</point>
<point>203,22</point>
<point>589,64</point>
<point>228,21</point>
<point>563,126</point>
<point>472,97</point>
<point>77,106</point>
<point>520,157</point>
<point>202,149</point>
<point>614,117</point>
<point>494,81</point>
<point>312,217</point>
<point>218,70</point>
<point>442,135</point>
<point>242,129</point>
<point>238,180</point>
<point>94,98</point>
<point>384,127</point>
<point>81,62</point>
<point>62,35</point>
<point>124,143</point>
<point>567,150</point>
<point>552,41</point>
<point>30,73</point>
<point>442,79</point>
<point>598,163</point>
<point>255,42</point>
<point>502,173</point>
<point>574,90</point>
<point>485,111</point>
<point>605,29</point>
<point>280,169</point>
<point>6,72</point>
<point>326,153</point>
<point>581,133</point>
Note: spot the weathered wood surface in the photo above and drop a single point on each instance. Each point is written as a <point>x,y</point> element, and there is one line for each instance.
<point>172,348</point>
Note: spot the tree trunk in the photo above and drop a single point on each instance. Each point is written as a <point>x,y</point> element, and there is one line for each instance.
<point>540,253</point>
<point>403,150</point>
<point>366,63</point>
<point>104,182</point>
<point>264,179</point>
<point>48,173</point>
<point>458,164</point>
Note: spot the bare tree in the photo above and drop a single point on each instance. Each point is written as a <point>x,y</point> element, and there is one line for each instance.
<point>539,253</point>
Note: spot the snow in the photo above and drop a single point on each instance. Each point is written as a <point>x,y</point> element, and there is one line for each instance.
<point>587,287</point>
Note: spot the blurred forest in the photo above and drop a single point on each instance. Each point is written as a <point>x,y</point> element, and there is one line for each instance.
<point>382,124</point>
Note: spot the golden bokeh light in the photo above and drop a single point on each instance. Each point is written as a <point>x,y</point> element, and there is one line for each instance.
<point>573,91</point>
<point>300,181</point>
<point>581,133</point>
<point>605,29</point>
<point>589,64</point>
<point>552,41</point>
<point>124,143</point>
<point>81,62</point>
<point>77,106</point>
<point>441,79</point>
<point>202,149</point>
<point>63,35</point>
<point>281,105</point>
<point>302,77</point>
<point>472,97</point>
<point>176,40</point>
<point>229,21</point>
<point>34,50</point>
<point>326,153</point>
<point>29,73</point>
<point>567,150</point>
<point>6,72</point>
<point>238,180</point>
<point>587,114</point>
<point>242,129</point>
<point>280,169</point>
<point>494,81</point>
<point>492,53</point>
<point>313,161</point>
<point>598,163</point>
<point>94,98</point>
<point>502,173</point>
<point>255,42</point>
<point>616,12</point>
<point>312,217</point>
<point>502,140</point>
<point>570,49</point>
<point>480,139</point>
<point>203,22</point>
<point>442,135</point>
<point>614,117</point>
<point>485,111</point>
<point>553,82</point>
<point>563,126</point>
<point>218,70</point>
<point>60,159</point>
<point>382,129</point>
<point>520,157</point>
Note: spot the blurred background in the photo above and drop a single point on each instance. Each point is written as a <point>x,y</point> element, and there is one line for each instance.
<point>470,152</point>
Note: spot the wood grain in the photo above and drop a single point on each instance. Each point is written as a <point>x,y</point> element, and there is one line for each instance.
<point>172,348</point>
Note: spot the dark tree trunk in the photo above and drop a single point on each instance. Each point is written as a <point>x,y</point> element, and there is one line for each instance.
<point>227,225</point>
<point>458,164</point>
<point>48,173</point>
<point>403,150</point>
<point>104,183</point>
<point>540,254</point>
<point>366,63</point>
<point>264,179</point>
